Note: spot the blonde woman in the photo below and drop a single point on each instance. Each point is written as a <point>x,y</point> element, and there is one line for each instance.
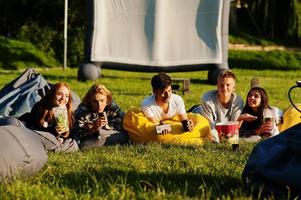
<point>98,119</point>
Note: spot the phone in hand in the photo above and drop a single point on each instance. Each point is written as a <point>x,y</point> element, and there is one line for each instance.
<point>161,128</point>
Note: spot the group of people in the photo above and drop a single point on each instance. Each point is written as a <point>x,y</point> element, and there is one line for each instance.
<point>98,120</point>
<point>223,104</point>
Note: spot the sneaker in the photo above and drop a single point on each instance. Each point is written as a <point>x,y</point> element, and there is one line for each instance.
<point>254,82</point>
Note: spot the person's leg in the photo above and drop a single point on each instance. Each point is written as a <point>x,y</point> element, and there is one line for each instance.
<point>114,137</point>
<point>48,140</point>
<point>105,137</point>
<point>92,141</point>
<point>69,145</point>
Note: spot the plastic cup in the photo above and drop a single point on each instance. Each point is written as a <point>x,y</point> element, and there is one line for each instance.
<point>61,118</point>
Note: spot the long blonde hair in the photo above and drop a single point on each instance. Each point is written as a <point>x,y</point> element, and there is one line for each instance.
<point>97,89</point>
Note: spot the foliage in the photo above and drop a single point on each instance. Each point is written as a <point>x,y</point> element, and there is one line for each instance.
<point>16,54</point>
<point>271,19</point>
<point>294,22</point>
<point>42,23</point>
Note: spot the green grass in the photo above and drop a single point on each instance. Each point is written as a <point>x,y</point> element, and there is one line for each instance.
<point>15,54</point>
<point>151,171</point>
<point>274,60</point>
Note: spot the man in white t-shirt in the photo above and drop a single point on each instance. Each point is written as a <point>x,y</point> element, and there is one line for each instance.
<point>163,105</point>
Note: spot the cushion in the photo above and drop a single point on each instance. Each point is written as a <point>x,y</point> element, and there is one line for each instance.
<point>21,152</point>
<point>290,117</point>
<point>141,130</point>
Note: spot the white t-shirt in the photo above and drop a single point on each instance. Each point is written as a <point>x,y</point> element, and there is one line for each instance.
<point>152,110</point>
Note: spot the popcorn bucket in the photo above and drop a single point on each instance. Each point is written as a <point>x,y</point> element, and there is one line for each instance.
<point>229,131</point>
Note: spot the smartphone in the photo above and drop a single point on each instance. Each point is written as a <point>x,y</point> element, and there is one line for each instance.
<point>160,128</point>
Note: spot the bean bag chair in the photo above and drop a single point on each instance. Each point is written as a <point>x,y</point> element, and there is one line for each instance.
<point>274,166</point>
<point>290,118</point>
<point>49,141</point>
<point>21,152</point>
<point>52,144</point>
<point>141,130</point>
<point>19,96</point>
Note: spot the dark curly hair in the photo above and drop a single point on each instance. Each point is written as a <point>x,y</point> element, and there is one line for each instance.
<point>160,81</point>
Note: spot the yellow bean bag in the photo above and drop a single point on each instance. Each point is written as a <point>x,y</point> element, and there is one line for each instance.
<point>290,117</point>
<point>141,130</point>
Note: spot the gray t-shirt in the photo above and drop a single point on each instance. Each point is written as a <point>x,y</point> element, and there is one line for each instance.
<point>215,112</point>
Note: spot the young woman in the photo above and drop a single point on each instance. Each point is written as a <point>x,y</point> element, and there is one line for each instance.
<point>98,119</point>
<point>258,118</point>
<point>53,120</point>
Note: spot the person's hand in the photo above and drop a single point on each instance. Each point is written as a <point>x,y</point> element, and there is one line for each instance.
<point>265,129</point>
<point>246,117</point>
<point>188,125</point>
<point>164,131</point>
<point>99,123</point>
<point>161,130</point>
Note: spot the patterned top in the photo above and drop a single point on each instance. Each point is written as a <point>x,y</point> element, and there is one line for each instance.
<point>84,119</point>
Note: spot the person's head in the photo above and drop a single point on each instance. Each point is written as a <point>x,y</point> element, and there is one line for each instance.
<point>97,98</point>
<point>257,99</point>
<point>161,84</point>
<point>59,95</point>
<point>225,84</point>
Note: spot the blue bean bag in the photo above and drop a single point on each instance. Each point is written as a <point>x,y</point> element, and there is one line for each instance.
<point>274,166</point>
<point>21,152</point>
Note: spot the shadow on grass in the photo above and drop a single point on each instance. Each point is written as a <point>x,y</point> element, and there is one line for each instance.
<point>187,184</point>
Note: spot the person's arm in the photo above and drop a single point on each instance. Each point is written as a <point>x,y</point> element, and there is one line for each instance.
<point>187,124</point>
<point>237,109</point>
<point>246,117</point>
<point>115,116</point>
<point>207,112</point>
<point>84,124</point>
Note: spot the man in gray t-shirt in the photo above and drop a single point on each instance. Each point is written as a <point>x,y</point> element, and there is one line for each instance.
<point>223,104</point>
<point>215,112</point>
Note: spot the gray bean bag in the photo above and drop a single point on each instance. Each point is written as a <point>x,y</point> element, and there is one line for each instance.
<point>274,166</point>
<point>48,140</point>
<point>51,143</point>
<point>21,152</point>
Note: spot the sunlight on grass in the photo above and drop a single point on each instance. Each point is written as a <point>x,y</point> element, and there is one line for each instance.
<point>150,171</point>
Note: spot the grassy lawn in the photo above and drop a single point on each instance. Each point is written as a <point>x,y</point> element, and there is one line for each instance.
<point>150,171</point>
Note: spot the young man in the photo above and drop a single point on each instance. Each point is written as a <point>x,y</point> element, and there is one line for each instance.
<point>222,104</point>
<point>163,105</point>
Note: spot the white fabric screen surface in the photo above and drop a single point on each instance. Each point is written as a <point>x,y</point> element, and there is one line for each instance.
<point>157,32</point>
